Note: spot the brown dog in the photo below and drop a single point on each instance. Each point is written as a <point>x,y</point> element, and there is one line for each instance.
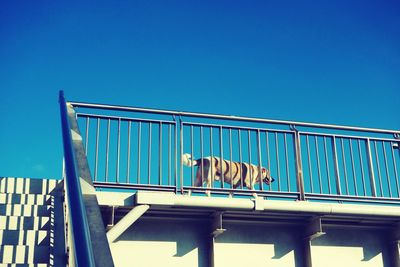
<point>211,169</point>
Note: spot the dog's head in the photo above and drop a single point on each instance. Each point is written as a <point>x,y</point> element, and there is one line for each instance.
<point>266,174</point>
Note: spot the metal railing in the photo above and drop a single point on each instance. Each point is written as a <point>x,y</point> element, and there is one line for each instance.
<point>79,223</point>
<point>84,247</point>
<point>138,148</point>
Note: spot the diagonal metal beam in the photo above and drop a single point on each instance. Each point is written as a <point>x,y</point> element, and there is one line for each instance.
<point>118,229</point>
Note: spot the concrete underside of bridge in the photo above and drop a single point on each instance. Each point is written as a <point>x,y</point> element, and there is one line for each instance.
<point>164,229</point>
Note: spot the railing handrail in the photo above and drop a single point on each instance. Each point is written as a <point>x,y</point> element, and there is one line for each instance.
<point>81,236</point>
<point>230,117</point>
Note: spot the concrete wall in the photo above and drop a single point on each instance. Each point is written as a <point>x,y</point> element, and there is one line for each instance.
<point>258,245</point>
<point>350,247</point>
<point>151,242</point>
<point>162,243</point>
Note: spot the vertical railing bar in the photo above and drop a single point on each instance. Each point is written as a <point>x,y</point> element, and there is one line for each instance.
<point>268,155</point>
<point>202,155</point>
<point>169,153</point>
<point>176,156</point>
<point>277,161</point>
<point>395,171</point>
<point>318,164</point>
<point>344,167</point>
<point>240,158</point>
<point>287,162</point>
<point>96,160</point>
<point>211,175</point>
<point>128,163</point>
<point>327,166</point>
<point>139,152</point>
<point>250,164</point>
<point>149,154</point>
<point>371,168</point>
<point>337,174</point>
<point>181,152</point>
<point>379,169</point>
<point>309,164</point>
<point>87,135</point>
<point>118,150</point>
<point>259,160</point>
<point>362,167</point>
<point>386,168</point>
<point>160,154</point>
<point>221,149</point>
<point>191,154</point>
<point>107,148</point>
<point>230,158</point>
<point>353,167</point>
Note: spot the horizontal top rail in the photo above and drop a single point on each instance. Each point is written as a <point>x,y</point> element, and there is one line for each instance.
<point>94,116</point>
<point>235,127</point>
<point>231,117</point>
<point>348,136</point>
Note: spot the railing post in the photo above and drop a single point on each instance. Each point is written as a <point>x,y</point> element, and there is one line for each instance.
<point>181,152</point>
<point>371,169</point>
<point>299,166</point>
<point>178,147</point>
<point>335,158</point>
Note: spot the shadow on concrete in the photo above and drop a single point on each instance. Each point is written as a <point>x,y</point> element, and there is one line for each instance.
<point>371,241</point>
<point>283,239</point>
<point>188,235</point>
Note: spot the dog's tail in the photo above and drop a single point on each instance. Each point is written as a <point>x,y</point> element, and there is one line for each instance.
<point>187,160</point>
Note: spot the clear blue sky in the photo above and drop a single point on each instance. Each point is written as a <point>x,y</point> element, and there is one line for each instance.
<point>335,62</point>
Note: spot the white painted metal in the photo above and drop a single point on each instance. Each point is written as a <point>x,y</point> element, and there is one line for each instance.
<point>170,199</point>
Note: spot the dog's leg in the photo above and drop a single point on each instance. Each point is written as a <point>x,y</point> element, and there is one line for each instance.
<point>208,177</point>
<point>253,194</point>
<point>199,180</point>
<point>251,187</point>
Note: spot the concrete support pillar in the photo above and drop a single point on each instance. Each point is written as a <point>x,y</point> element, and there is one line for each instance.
<point>393,249</point>
<point>312,230</point>
<point>216,230</point>
<point>393,240</point>
<point>306,252</point>
<point>211,254</point>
